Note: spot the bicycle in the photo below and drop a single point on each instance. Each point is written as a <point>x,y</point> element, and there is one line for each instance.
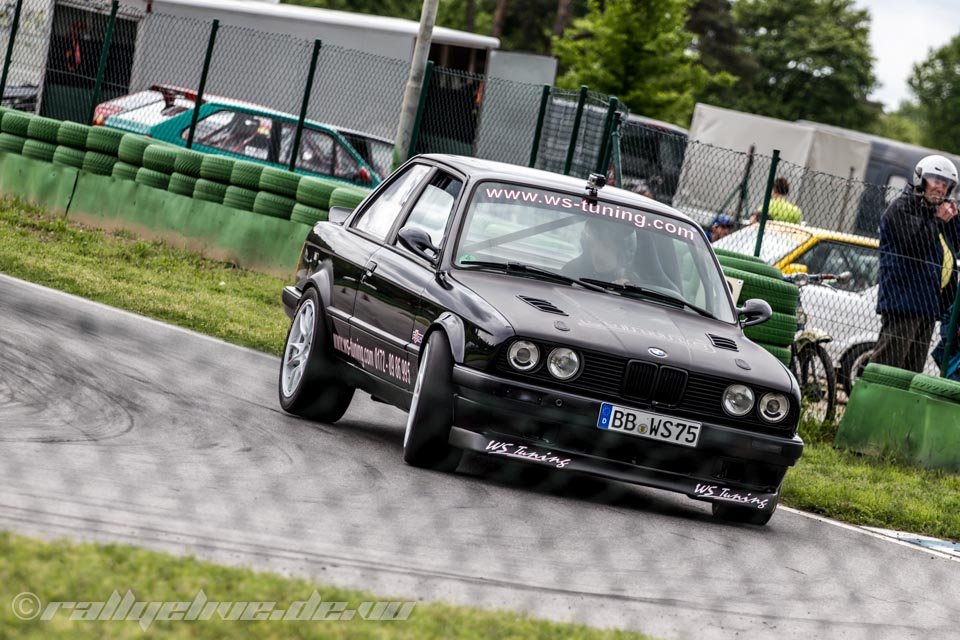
<point>810,363</point>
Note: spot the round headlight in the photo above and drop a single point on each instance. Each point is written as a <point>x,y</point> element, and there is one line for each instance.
<point>523,355</point>
<point>563,363</point>
<point>774,407</point>
<point>738,400</point>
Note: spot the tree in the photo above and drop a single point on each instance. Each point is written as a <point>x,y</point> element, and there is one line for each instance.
<point>813,61</point>
<point>637,50</point>
<point>903,125</point>
<point>717,42</point>
<point>936,84</point>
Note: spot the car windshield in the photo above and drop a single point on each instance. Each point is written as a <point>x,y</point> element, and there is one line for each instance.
<point>597,240</point>
<point>778,241</point>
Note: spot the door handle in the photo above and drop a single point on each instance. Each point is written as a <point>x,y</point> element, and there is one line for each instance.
<point>370,269</point>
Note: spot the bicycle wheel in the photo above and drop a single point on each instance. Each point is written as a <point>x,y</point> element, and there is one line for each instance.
<point>818,381</point>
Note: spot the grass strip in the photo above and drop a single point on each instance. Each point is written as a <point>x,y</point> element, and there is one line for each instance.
<point>76,572</point>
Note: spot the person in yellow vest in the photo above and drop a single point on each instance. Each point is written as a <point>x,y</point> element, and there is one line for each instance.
<point>780,209</point>
<point>919,239</point>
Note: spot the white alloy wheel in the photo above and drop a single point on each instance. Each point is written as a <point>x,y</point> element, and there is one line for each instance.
<point>297,350</point>
<point>416,395</point>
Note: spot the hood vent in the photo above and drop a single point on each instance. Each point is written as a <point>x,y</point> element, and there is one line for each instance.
<point>543,305</point>
<point>723,343</point>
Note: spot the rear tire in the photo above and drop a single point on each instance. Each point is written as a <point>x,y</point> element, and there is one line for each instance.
<point>425,441</point>
<point>743,515</point>
<point>309,384</point>
<point>852,364</point>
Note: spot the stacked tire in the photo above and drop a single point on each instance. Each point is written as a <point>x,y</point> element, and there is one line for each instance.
<point>761,280</point>
<point>937,388</point>
<point>278,193</point>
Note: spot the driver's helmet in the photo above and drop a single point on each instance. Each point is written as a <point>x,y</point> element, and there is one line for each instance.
<point>935,167</point>
<point>605,235</point>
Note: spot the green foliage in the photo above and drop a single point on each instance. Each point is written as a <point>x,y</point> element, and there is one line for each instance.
<point>813,61</point>
<point>936,84</point>
<point>902,125</point>
<point>717,41</point>
<point>637,50</point>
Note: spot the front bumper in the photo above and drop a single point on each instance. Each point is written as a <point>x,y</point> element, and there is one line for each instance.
<point>520,421</point>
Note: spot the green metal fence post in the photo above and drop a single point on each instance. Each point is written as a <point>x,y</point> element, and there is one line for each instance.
<point>544,101</point>
<point>766,200</point>
<point>576,130</point>
<point>14,26</point>
<point>203,82</point>
<point>744,192</point>
<point>303,106</point>
<point>104,53</point>
<point>603,158</point>
<point>951,332</point>
<point>424,90</point>
<point>615,150</point>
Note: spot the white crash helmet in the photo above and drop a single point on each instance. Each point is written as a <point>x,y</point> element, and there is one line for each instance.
<point>938,166</point>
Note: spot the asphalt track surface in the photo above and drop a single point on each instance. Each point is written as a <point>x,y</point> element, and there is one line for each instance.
<point>118,428</point>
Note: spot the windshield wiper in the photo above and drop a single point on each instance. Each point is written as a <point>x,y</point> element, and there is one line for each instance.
<point>650,293</point>
<point>520,268</point>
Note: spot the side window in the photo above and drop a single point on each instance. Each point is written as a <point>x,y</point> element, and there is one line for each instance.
<point>380,214</point>
<point>815,257</point>
<point>234,132</point>
<point>319,153</point>
<point>864,264</point>
<point>433,209</point>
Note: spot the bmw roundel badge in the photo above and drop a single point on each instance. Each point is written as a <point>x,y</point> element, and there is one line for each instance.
<point>659,353</point>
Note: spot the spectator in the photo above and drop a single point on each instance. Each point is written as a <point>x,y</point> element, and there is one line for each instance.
<point>952,369</point>
<point>919,238</point>
<point>722,226</point>
<point>780,209</point>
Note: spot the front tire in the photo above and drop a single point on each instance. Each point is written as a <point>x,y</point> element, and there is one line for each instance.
<point>309,386</point>
<point>425,441</point>
<point>743,515</point>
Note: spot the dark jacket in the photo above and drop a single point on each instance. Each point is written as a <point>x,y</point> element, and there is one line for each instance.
<point>911,258</point>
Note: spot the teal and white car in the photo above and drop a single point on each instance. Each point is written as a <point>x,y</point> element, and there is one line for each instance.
<point>249,132</point>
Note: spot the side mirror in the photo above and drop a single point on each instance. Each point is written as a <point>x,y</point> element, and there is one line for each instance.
<point>756,311</point>
<point>338,215</point>
<point>418,241</point>
<point>845,277</point>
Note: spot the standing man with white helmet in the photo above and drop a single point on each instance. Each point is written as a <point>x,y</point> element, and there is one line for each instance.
<point>919,239</point>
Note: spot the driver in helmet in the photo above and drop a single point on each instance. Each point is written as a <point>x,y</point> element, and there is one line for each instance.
<point>919,240</point>
<point>607,252</point>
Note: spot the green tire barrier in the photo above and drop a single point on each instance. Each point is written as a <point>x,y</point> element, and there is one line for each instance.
<point>314,192</point>
<point>781,295</point>
<point>751,267</point>
<point>347,197</point>
<point>182,184</point>
<point>279,182</point>
<point>216,168</point>
<point>38,150</point>
<point>69,157</point>
<point>937,388</point>
<point>98,163</point>
<point>740,256</point>
<point>239,198</point>
<point>11,143</point>
<point>888,376</point>
<point>43,129</point>
<point>104,140</point>
<point>769,335</point>
<point>782,353</point>
<point>159,158</point>
<point>152,178</point>
<point>15,122</point>
<point>246,174</point>
<point>125,170</point>
<point>307,215</point>
<point>73,134</point>
<point>209,191</point>
<point>273,205</point>
<point>132,147</point>
<point>188,162</point>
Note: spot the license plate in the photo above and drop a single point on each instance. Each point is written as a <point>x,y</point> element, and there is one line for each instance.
<point>648,425</point>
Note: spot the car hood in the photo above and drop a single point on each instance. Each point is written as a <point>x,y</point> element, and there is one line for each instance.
<point>625,326</point>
